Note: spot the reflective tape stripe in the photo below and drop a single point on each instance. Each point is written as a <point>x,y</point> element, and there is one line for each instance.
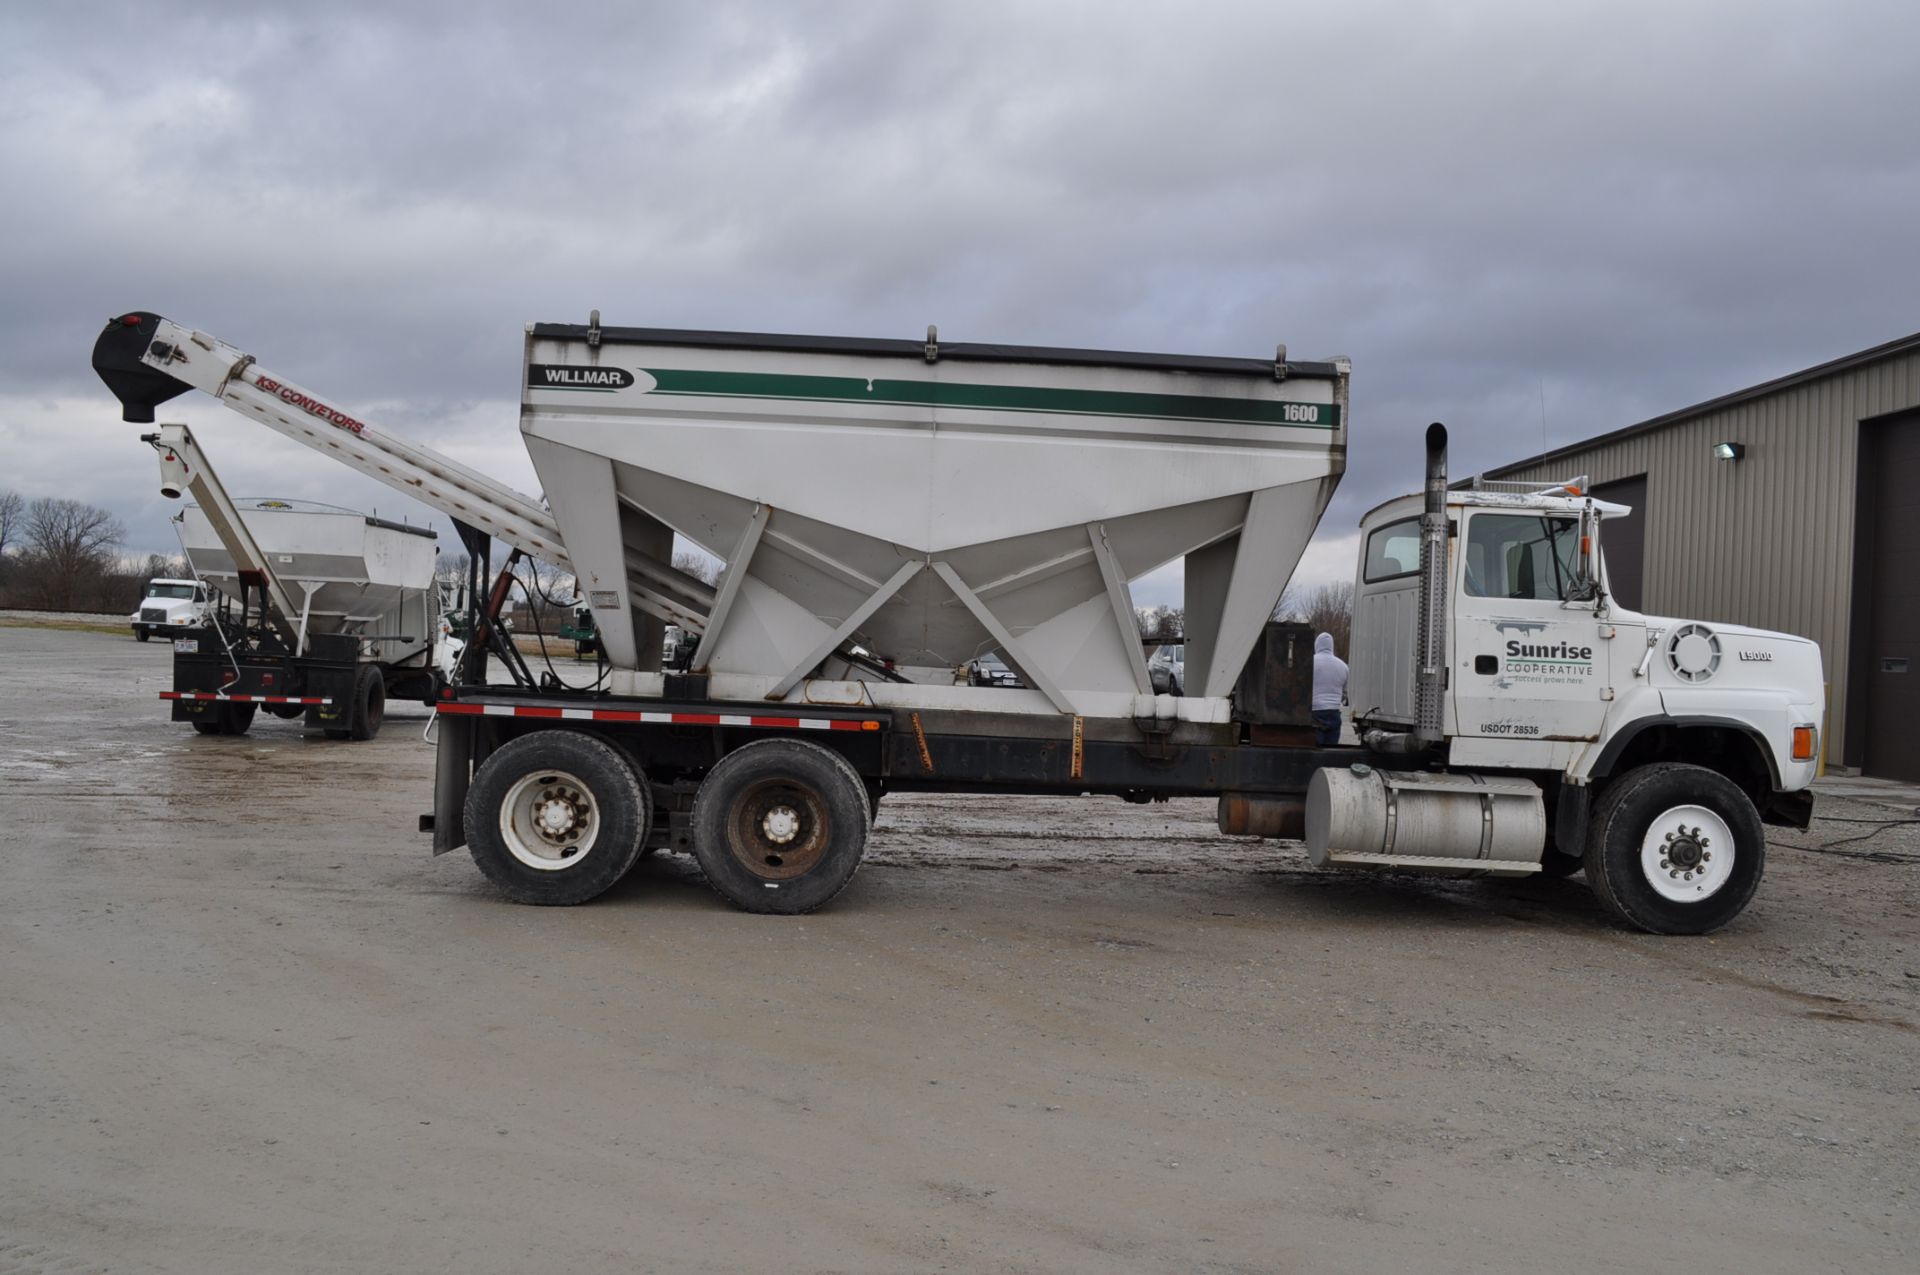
<point>654,718</point>
<point>247,699</point>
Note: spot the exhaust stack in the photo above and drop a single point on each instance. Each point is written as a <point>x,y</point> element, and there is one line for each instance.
<point>1430,645</point>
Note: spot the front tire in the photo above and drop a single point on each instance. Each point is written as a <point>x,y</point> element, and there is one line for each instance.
<point>1675,849</point>
<point>557,817</point>
<point>780,825</point>
<point>141,635</point>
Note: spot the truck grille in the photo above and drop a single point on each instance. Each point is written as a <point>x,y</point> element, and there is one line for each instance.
<point>153,615</point>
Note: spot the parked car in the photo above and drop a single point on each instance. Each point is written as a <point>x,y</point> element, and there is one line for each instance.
<point>991,670</point>
<point>170,603</point>
<point>1168,669</point>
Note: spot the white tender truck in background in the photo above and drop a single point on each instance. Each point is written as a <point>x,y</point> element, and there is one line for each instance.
<point>170,605</point>
<point>317,612</point>
<point>891,511</point>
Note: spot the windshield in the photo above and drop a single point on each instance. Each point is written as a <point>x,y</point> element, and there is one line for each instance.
<point>169,591</point>
<point>1522,556</point>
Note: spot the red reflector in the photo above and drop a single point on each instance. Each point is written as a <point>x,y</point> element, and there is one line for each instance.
<point>132,320</point>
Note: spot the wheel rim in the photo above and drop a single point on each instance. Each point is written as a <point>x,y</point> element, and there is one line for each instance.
<point>778,829</point>
<point>1687,854</point>
<point>549,820</point>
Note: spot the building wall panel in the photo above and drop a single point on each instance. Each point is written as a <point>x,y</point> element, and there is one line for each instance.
<point>1767,540</point>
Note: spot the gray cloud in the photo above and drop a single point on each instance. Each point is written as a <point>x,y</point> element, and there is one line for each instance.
<point>1535,222</point>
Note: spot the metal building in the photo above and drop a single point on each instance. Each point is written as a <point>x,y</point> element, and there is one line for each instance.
<point>1793,505</point>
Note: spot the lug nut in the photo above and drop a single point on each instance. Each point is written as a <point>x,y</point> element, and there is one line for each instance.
<point>1689,876</point>
<point>1665,863</point>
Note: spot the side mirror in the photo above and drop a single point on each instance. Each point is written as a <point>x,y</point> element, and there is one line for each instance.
<point>1585,586</point>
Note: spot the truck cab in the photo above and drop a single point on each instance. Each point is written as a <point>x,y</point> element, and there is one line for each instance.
<point>1547,677</point>
<point>170,604</point>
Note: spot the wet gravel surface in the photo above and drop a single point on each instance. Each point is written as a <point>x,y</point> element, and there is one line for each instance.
<point>248,1024</point>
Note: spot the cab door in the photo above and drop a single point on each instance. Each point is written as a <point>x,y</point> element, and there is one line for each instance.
<point>1528,663</point>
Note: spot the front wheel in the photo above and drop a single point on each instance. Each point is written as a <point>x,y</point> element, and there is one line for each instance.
<point>780,825</point>
<point>1675,849</point>
<point>556,817</point>
<point>141,635</point>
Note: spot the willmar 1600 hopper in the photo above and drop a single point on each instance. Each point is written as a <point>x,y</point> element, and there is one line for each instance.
<point>889,511</point>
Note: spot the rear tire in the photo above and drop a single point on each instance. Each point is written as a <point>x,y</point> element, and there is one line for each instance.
<point>1675,849</point>
<point>780,825</point>
<point>555,818</point>
<point>236,719</point>
<point>226,719</point>
<point>369,703</point>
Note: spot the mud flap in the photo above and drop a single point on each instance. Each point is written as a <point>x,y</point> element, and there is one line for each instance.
<point>452,772</point>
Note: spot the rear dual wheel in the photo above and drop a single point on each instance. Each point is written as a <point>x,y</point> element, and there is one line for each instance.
<point>368,708</point>
<point>227,718</point>
<point>780,825</point>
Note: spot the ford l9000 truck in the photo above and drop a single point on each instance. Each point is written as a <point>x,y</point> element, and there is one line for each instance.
<point>888,512</point>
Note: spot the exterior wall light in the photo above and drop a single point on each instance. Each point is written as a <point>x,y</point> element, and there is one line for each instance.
<point>1729,451</point>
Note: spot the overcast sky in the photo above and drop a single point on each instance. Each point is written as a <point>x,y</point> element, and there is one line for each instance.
<point>1534,221</point>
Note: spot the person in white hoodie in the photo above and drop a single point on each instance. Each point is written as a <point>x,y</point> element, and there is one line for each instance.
<point>1329,689</point>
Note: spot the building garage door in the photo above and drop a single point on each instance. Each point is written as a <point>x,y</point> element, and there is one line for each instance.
<point>1890,574</point>
<point>1623,541</point>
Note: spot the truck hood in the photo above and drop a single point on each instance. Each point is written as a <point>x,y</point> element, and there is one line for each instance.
<point>170,606</point>
<point>1706,656</point>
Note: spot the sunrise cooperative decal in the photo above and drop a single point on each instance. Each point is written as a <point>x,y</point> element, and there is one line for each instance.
<point>1541,662</point>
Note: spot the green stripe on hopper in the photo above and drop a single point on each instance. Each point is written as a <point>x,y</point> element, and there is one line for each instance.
<point>998,398</point>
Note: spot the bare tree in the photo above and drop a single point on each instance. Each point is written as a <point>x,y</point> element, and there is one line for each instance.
<point>12,509</point>
<point>68,548</point>
<point>698,565</point>
<point>452,569</point>
<point>1326,608</point>
<point>1161,622</point>
<point>158,566</point>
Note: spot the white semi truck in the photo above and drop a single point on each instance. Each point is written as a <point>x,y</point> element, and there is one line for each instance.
<point>891,511</point>
<point>170,606</point>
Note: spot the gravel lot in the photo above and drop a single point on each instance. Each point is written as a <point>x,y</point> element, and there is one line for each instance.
<point>248,1024</point>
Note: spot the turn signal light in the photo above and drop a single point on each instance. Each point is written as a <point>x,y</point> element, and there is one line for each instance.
<point>1803,741</point>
